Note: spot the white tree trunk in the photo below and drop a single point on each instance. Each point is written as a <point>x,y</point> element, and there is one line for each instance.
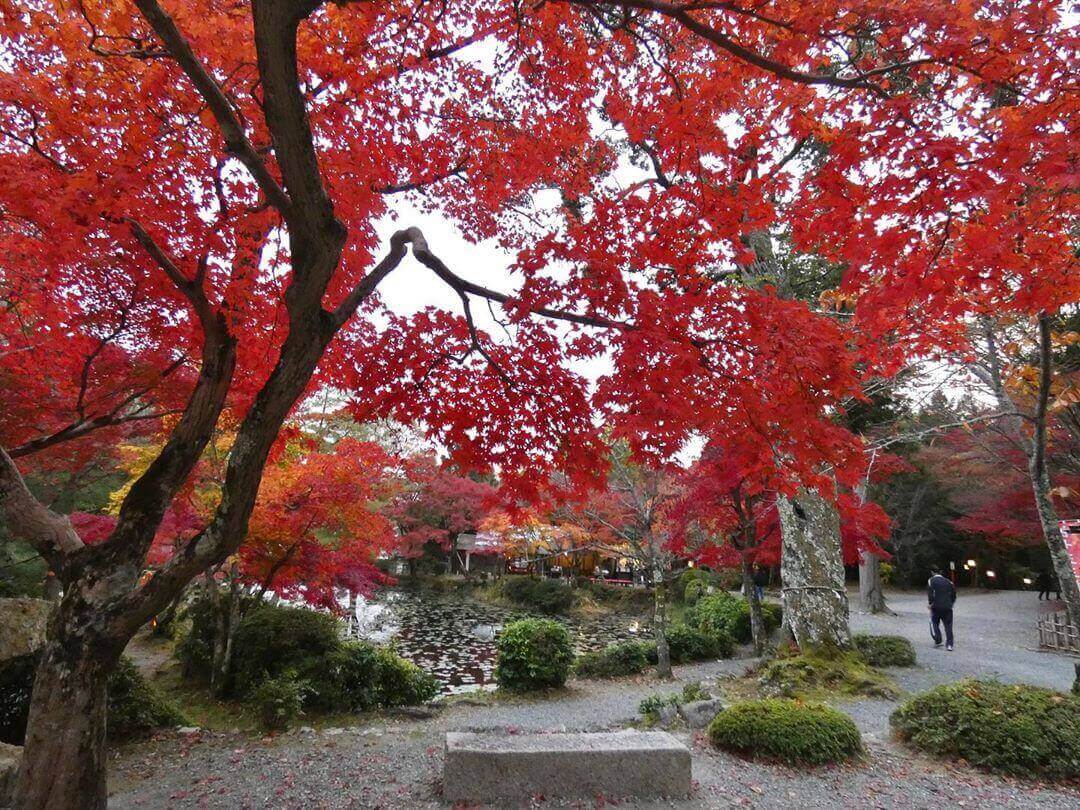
<point>812,571</point>
<point>871,591</point>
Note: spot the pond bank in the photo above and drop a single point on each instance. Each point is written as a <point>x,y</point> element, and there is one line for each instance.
<point>451,632</point>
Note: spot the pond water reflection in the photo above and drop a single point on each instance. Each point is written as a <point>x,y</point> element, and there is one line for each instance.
<point>453,637</point>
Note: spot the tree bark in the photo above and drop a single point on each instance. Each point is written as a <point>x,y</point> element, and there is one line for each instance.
<point>663,651</point>
<point>871,590</point>
<point>757,621</point>
<point>63,763</point>
<point>1035,450</point>
<point>812,570</point>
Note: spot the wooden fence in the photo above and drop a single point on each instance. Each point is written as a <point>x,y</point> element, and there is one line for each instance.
<point>1055,633</point>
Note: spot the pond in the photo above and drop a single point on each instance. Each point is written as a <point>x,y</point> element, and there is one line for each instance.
<point>453,637</point>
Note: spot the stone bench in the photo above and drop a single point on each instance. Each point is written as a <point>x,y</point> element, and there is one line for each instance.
<point>487,767</point>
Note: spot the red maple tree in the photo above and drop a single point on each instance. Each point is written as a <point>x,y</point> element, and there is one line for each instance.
<point>196,188</point>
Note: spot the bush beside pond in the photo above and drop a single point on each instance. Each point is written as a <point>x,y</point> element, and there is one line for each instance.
<point>291,644</point>
<point>1012,729</point>
<point>549,596</point>
<point>533,654</point>
<point>885,651</point>
<point>788,731</point>
<point>615,660</point>
<point>134,706</point>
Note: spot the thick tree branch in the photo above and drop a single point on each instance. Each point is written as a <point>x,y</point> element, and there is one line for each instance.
<point>232,130</point>
<point>50,534</point>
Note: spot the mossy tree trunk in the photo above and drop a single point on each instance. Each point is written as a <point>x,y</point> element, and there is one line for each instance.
<point>871,589</point>
<point>757,621</point>
<point>663,651</point>
<point>812,570</point>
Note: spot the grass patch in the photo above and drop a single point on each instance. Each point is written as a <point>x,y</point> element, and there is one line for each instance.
<point>825,671</point>
<point>1016,730</point>
<point>885,651</point>
<point>788,731</point>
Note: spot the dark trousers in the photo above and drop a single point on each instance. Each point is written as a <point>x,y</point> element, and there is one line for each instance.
<point>939,616</point>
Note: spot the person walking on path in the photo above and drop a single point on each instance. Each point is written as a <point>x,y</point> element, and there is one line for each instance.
<point>761,579</point>
<point>941,596</point>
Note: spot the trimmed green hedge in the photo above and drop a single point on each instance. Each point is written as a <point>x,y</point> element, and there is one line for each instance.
<point>723,613</point>
<point>614,661</point>
<point>134,706</point>
<point>1012,729</point>
<point>786,730</point>
<point>885,651</point>
<point>533,654</point>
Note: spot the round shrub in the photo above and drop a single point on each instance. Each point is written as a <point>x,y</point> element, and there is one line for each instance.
<point>533,654</point>
<point>687,644</point>
<point>885,651</point>
<point>278,702</point>
<point>271,640</point>
<point>134,706</point>
<point>615,660</point>
<point>786,730</point>
<point>1012,729</point>
<point>343,680</point>
<point>400,682</point>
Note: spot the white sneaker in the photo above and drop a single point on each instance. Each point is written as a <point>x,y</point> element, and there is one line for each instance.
<point>949,648</point>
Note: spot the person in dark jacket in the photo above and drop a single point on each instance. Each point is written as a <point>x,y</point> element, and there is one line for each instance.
<point>1046,584</point>
<point>761,579</point>
<point>941,596</point>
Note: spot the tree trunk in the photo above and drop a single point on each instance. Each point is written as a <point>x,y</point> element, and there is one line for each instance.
<point>871,591</point>
<point>63,762</point>
<point>663,651</point>
<point>227,608</point>
<point>812,571</point>
<point>757,621</point>
<point>1055,540</point>
<point>1035,449</point>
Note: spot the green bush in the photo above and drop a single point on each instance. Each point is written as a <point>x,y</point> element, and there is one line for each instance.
<point>615,660</point>
<point>133,707</point>
<point>278,701</point>
<point>271,640</point>
<point>687,644</point>
<point>650,707</point>
<point>336,676</point>
<point>723,613</point>
<point>400,682</point>
<point>885,651</point>
<point>825,670</point>
<point>1015,730</point>
<point>533,654</point>
<point>343,680</point>
<point>786,730</point>
<point>542,595</point>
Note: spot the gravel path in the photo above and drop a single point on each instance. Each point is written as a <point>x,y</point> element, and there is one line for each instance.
<point>396,762</point>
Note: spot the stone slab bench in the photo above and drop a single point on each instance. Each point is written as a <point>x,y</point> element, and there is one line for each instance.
<point>488,767</point>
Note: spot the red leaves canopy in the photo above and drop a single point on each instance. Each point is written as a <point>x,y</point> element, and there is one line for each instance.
<point>924,146</point>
